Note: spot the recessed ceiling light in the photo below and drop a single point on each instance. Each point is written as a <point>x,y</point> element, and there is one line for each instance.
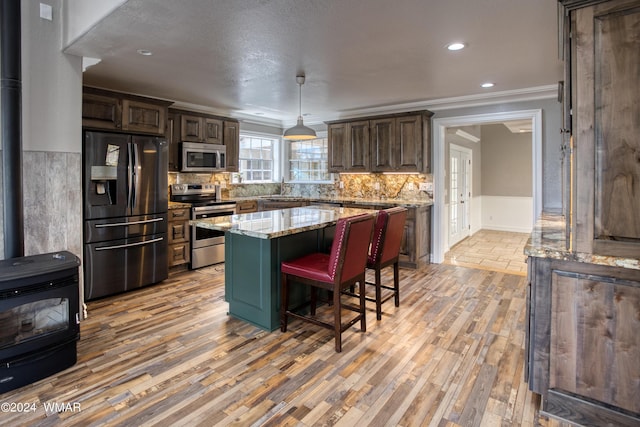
<point>456,46</point>
<point>144,52</point>
<point>488,84</point>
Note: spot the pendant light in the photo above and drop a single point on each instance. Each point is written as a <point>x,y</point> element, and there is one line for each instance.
<point>299,131</point>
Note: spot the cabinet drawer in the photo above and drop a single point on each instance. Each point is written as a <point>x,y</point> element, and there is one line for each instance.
<point>247,206</point>
<point>178,232</point>
<point>178,254</point>
<point>178,214</point>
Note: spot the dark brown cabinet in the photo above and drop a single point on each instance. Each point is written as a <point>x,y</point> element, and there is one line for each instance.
<point>102,109</point>
<point>397,144</point>
<point>190,126</point>
<point>179,249</point>
<point>349,147</point>
<point>391,143</point>
<point>200,129</point>
<point>231,139</point>
<point>415,249</point>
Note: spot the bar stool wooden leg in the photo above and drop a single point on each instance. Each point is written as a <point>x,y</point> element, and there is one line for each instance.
<point>396,284</point>
<point>378,285</point>
<point>337,321</point>
<point>284,302</point>
<point>363,308</point>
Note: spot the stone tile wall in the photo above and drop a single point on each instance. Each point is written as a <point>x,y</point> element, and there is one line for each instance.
<point>378,186</point>
<point>52,202</point>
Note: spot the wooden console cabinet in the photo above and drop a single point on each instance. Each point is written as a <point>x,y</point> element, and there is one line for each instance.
<point>583,346</point>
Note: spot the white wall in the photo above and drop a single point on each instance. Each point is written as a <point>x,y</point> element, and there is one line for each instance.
<point>506,213</point>
<point>51,84</point>
<point>81,15</point>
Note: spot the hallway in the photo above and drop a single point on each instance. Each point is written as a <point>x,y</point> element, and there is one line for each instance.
<point>500,251</point>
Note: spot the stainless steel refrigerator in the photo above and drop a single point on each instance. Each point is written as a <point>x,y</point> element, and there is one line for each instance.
<point>125,212</point>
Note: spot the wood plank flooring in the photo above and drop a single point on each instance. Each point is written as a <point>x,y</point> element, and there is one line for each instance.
<point>452,354</point>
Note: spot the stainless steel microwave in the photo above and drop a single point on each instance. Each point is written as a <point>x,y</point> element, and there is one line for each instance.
<point>199,157</point>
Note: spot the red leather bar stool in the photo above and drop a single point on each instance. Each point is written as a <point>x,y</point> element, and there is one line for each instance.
<point>384,252</point>
<point>341,269</point>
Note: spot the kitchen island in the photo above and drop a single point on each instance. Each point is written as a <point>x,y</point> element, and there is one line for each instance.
<point>255,245</point>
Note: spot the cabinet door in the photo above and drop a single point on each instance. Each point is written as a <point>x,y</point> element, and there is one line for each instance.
<point>606,128</point>
<point>408,147</point>
<point>383,134</point>
<point>337,147</point>
<point>191,128</point>
<point>101,111</point>
<point>213,131</point>
<point>179,254</point>
<point>232,142</point>
<point>143,117</point>
<point>595,346</point>
<point>174,143</point>
<point>358,146</point>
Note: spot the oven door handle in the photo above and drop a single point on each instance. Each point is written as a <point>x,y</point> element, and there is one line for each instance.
<point>129,245</point>
<point>120,224</point>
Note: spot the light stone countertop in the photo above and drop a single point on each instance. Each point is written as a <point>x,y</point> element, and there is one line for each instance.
<point>548,240</point>
<point>349,200</point>
<point>280,222</point>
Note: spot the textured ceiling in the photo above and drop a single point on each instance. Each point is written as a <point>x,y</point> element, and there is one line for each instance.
<point>241,56</point>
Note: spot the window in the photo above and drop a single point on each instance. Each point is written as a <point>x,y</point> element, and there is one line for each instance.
<point>266,158</point>
<point>257,158</point>
<point>308,160</point>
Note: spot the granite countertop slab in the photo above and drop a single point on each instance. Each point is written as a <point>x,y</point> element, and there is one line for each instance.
<point>548,240</point>
<point>279,222</point>
<point>350,200</point>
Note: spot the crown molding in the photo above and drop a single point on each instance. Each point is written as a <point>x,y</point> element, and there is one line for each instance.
<point>476,100</point>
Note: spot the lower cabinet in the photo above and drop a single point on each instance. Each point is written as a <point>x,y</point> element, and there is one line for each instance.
<point>179,248</point>
<point>582,345</point>
<point>415,249</point>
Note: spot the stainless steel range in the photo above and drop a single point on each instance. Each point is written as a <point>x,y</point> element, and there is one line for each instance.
<point>207,246</point>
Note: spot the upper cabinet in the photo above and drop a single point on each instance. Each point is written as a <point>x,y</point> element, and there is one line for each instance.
<point>191,126</point>
<point>200,129</point>
<point>603,40</point>
<point>231,138</point>
<point>390,143</point>
<point>102,109</point>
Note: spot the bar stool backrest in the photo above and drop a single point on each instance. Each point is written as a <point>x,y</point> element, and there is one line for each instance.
<point>387,235</point>
<point>349,250</point>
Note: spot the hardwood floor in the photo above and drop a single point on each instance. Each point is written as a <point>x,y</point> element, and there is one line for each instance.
<point>450,355</point>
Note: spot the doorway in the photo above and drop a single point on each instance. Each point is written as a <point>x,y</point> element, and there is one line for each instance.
<point>460,193</point>
<point>440,214</point>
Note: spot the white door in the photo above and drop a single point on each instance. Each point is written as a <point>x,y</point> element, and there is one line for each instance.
<point>460,191</point>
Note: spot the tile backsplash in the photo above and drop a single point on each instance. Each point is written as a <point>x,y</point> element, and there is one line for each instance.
<point>378,186</point>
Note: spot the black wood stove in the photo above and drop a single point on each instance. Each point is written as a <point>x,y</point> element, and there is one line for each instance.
<point>39,317</point>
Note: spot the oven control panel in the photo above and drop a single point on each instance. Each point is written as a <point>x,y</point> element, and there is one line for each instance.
<point>184,189</point>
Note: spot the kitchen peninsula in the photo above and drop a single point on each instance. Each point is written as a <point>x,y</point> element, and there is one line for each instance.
<point>255,245</point>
